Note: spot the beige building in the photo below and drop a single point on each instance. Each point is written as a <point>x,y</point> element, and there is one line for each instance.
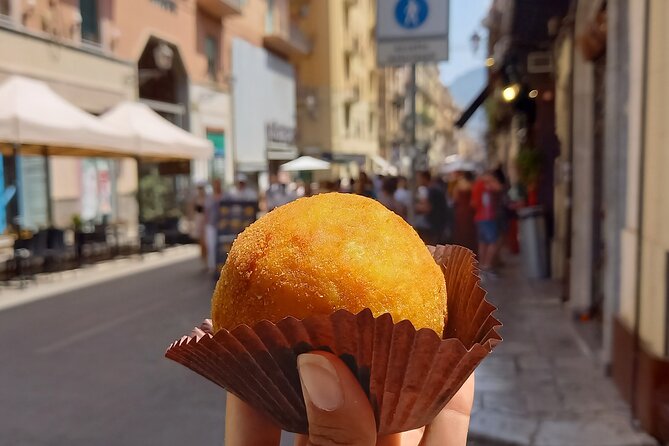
<point>338,83</point>
<point>435,116</point>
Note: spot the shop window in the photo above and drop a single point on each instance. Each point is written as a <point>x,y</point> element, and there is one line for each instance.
<point>90,21</point>
<point>211,53</point>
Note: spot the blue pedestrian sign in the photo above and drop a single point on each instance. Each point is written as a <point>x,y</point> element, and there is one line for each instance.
<point>411,13</point>
<point>411,31</point>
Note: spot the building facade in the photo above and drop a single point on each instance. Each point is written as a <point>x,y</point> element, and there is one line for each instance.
<point>610,245</point>
<point>177,57</point>
<point>435,116</point>
<point>57,43</point>
<point>338,84</point>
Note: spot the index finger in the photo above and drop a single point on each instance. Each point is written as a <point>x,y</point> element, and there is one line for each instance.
<point>245,426</point>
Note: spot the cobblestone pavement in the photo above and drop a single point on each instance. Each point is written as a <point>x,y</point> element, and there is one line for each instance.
<point>541,386</point>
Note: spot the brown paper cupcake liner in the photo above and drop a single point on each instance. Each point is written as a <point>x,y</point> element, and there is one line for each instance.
<point>409,375</point>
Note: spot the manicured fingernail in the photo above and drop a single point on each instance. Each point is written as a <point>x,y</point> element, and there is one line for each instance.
<point>320,383</point>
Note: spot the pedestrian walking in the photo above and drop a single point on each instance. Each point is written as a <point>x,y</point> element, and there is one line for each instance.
<point>277,194</point>
<point>464,231</point>
<point>198,219</point>
<point>242,191</point>
<point>402,194</point>
<point>212,215</point>
<point>364,186</point>
<point>485,192</point>
<point>387,197</point>
<point>431,210</point>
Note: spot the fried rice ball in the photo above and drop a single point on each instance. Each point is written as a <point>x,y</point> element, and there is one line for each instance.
<point>328,252</point>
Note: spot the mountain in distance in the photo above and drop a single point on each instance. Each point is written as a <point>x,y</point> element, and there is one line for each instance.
<point>464,89</point>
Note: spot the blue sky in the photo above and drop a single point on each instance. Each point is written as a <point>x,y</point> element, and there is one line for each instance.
<point>465,18</point>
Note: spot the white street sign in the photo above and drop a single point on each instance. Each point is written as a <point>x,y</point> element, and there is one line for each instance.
<point>411,31</point>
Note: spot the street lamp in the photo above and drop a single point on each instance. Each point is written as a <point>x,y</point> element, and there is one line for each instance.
<point>510,92</point>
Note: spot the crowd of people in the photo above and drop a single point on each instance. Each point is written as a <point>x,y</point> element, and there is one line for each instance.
<point>460,208</point>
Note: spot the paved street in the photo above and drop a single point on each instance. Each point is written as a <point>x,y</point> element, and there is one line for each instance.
<point>86,368</point>
<point>541,386</point>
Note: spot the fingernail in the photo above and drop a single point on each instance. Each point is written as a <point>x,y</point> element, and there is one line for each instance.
<point>320,382</point>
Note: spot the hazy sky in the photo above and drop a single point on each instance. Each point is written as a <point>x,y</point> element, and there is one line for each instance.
<point>465,18</point>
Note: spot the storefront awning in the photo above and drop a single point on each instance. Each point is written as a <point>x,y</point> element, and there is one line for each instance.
<point>154,136</point>
<point>40,121</point>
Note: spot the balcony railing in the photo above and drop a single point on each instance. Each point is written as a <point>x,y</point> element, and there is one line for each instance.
<point>221,8</point>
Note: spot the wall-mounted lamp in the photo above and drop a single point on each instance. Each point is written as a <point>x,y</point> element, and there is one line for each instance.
<point>510,92</point>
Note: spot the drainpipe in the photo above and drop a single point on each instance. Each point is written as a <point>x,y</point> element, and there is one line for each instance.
<point>640,220</point>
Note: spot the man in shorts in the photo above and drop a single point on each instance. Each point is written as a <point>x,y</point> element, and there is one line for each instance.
<point>485,194</point>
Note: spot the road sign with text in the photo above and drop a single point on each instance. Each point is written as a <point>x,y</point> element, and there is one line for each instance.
<point>411,31</point>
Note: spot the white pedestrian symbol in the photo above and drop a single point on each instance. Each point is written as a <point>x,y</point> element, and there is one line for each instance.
<point>411,11</point>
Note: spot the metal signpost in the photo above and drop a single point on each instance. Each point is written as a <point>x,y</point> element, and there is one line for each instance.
<point>409,32</point>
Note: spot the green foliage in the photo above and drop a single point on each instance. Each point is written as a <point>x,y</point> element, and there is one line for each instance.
<point>77,222</point>
<point>529,165</point>
<point>153,189</point>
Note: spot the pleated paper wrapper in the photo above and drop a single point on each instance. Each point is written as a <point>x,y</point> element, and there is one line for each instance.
<point>409,375</point>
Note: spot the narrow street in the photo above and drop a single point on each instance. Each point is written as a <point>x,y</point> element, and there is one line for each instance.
<point>87,367</point>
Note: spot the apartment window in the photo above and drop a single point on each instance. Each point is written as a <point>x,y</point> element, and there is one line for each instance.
<point>347,65</point>
<point>211,53</point>
<point>90,21</point>
<point>371,123</point>
<point>346,14</point>
<point>347,117</point>
<point>269,17</point>
<point>5,8</point>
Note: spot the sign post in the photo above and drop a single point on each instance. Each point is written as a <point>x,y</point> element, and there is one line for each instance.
<point>409,32</point>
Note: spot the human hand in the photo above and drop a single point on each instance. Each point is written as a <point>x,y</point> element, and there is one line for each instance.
<point>339,413</point>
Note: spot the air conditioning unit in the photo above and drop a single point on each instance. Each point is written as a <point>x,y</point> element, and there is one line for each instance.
<point>540,62</point>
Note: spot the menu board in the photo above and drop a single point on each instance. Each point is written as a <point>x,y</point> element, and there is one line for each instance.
<point>233,217</point>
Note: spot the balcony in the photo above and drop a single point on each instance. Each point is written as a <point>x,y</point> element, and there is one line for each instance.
<point>221,8</point>
<point>287,40</point>
<point>351,95</point>
<point>352,43</point>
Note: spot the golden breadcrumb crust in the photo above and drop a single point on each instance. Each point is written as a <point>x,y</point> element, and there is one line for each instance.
<point>325,253</point>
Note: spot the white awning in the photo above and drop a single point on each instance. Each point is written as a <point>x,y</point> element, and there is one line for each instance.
<point>455,163</point>
<point>305,163</point>
<point>154,136</point>
<point>40,121</point>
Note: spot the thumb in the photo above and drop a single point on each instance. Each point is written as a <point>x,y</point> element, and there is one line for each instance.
<point>337,408</point>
